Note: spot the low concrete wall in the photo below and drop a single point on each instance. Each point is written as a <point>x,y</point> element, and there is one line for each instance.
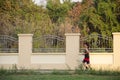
<point>6,58</point>
<point>48,61</point>
<point>102,58</point>
<point>68,60</point>
<point>48,58</point>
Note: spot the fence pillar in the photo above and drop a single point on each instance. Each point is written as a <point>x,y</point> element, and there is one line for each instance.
<point>116,48</point>
<point>72,50</point>
<point>25,50</point>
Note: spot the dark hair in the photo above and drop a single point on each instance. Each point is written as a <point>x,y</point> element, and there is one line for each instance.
<point>85,43</point>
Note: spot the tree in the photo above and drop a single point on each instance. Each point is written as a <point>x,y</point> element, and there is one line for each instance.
<point>100,18</point>
<point>117,12</point>
<point>76,12</point>
<point>23,16</point>
<point>58,12</point>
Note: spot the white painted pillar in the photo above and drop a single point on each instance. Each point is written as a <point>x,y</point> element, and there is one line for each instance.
<point>72,50</point>
<point>116,48</point>
<point>25,50</point>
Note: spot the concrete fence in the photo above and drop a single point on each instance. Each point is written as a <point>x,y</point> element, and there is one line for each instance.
<point>71,59</point>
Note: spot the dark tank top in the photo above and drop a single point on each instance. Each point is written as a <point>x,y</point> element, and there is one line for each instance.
<point>86,54</point>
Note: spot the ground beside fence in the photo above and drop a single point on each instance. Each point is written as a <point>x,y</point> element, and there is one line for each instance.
<point>59,75</point>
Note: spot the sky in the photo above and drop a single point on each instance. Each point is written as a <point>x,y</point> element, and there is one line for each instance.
<point>44,2</point>
<point>40,2</point>
<point>72,1</point>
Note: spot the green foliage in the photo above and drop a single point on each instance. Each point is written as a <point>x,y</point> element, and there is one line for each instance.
<point>100,17</point>
<point>60,72</point>
<point>23,16</point>
<point>101,71</point>
<point>3,71</point>
<point>58,11</point>
<point>61,75</point>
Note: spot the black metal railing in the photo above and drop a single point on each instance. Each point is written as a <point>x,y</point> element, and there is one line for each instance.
<point>97,43</point>
<point>8,44</point>
<point>48,43</point>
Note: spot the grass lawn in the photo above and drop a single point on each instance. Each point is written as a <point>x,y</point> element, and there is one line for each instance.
<point>59,77</point>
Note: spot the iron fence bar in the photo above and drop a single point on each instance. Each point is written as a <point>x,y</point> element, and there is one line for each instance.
<point>97,50</point>
<point>8,50</point>
<point>97,43</point>
<point>49,43</point>
<point>47,50</point>
<point>8,44</point>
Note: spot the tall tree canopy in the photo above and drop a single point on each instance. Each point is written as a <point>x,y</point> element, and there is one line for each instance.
<point>102,17</point>
<point>91,16</point>
<point>23,16</point>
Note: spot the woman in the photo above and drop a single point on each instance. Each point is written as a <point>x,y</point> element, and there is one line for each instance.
<point>86,60</point>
